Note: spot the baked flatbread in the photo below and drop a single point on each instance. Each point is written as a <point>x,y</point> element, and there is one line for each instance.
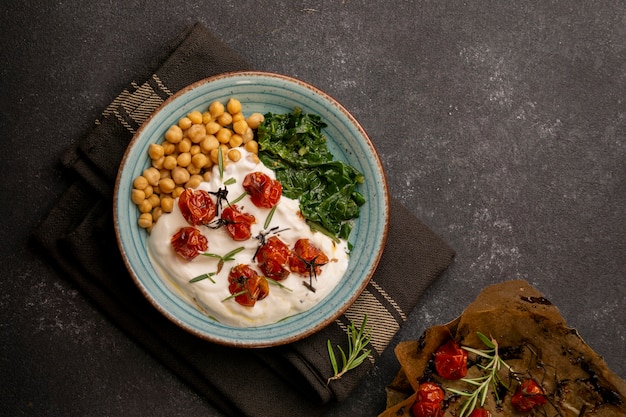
<point>534,341</point>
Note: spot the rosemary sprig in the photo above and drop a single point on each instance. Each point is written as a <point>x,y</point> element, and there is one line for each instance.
<point>358,339</point>
<point>230,256</point>
<point>278,284</point>
<point>268,220</point>
<point>220,161</point>
<point>203,276</point>
<point>489,379</point>
<point>236,200</point>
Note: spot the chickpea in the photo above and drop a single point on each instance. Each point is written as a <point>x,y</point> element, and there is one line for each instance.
<point>174,134</point>
<point>195,149</point>
<point>234,155</point>
<point>199,160</point>
<point>216,109</point>
<point>196,133</point>
<point>178,191</point>
<point>156,213</point>
<point>167,185</point>
<point>145,206</point>
<point>195,117</point>
<point>206,176</point>
<point>180,175</point>
<point>169,162</point>
<point>140,182</point>
<point>255,119</point>
<point>165,173</point>
<point>168,148</point>
<point>212,128</point>
<point>152,175</point>
<point>252,146</point>
<point>209,143</point>
<point>233,106</point>
<point>184,145</point>
<point>225,119</point>
<point>235,141</point>
<point>192,169</point>
<point>206,117</point>
<point>224,134</point>
<point>238,117</point>
<point>194,181</point>
<point>254,158</point>
<point>248,135</point>
<point>155,200</point>
<point>240,126</point>
<point>183,159</point>
<point>137,196</point>
<point>155,151</point>
<point>185,123</point>
<point>145,220</point>
<point>158,163</point>
<point>167,204</point>
<point>148,191</point>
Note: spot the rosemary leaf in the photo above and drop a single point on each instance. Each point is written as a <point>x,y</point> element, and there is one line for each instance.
<point>358,339</point>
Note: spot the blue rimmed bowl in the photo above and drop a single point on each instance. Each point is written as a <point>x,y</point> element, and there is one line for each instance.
<point>258,92</point>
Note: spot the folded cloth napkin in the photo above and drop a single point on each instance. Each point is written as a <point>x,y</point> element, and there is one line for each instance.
<point>78,235</point>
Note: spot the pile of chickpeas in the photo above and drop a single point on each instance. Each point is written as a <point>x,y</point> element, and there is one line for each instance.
<point>187,154</point>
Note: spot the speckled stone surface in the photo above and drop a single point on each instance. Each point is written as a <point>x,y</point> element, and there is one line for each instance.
<point>500,124</point>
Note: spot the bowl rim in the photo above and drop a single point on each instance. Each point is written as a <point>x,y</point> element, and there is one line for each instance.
<point>345,305</point>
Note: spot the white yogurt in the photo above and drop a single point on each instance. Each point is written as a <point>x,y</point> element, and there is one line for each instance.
<point>213,298</point>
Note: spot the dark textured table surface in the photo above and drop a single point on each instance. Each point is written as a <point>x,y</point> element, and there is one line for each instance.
<point>500,124</point>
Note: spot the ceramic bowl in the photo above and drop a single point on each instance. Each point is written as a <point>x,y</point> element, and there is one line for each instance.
<point>258,92</point>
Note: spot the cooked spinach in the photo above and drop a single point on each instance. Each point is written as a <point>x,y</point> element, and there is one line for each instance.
<point>294,146</point>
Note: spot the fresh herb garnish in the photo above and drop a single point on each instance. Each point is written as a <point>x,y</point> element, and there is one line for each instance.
<point>268,219</point>
<point>490,378</point>
<point>294,146</point>
<point>202,277</point>
<point>357,352</point>
<point>236,200</point>
<point>230,256</point>
<point>220,161</point>
<point>230,181</point>
<point>279,284</point>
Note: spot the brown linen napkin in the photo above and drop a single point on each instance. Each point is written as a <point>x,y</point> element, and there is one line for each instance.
<point>78,235</point>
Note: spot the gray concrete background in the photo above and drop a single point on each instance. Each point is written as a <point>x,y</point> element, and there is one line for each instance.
<point>500,124</point>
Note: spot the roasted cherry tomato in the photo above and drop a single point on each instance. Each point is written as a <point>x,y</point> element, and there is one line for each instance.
<point>306,258</point>
<point>237,223</point>
<point>196,206</point>
<point>272,258</point>
<point>247,286</point>
<point>188,242</point>
<point>429,400</point>
<point>480,412</point>
<point>427,409</point>
<point>430,392</point>
<point>451,360</point>
<point>263,190</point>
<point>528,396</point>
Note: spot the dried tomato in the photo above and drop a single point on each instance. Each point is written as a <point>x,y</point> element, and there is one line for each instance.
<point>451,360</point>
<point>272,258</point>
<point>307,258</point>
<point>480,412</point>
<point>528,395</point>
<point>263,190</point>
<point>246,285</point>
<point>196,206</point>
<point>429,401</point>
<point>188,242</point>
<point>237,223</point>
